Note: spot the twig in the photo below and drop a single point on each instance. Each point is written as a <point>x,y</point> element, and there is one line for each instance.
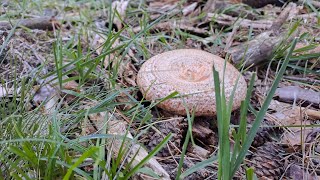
<point>173,25</point>
<point>314,3</point>
<point>227,20</point>
<point>276,25</point>
<point>44,23</point>
<point>261,3</point>
<point>230,37</point>
<point>304,79</point>
<point>261,47</point>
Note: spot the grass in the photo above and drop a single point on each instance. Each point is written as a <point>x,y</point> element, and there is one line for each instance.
<point>38,142</point>
<point>34,142</point>
<point>230,160</point>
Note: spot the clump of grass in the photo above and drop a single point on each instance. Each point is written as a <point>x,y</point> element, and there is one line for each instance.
<point>229,160</point>
<point>45,146</point>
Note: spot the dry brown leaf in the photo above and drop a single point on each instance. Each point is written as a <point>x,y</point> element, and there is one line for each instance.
<point>46,93</point>
<point>128,73</point>
<point>162,5</point>
<point>3,91</point>
<point>71,85</point>
<point>302,45</point>
<point>124,98</point>
<point>98,42</point>
<point>120,7</point>
<point>189,9</point>
<point>118,127</point>
<point>296,137</point>
<point>288,110</point>
<point>296,172</point>
<point>288,115</point>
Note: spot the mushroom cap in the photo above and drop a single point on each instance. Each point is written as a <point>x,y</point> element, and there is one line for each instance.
<point>190,73</point>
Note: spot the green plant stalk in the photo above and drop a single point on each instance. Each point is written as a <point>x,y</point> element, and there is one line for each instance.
<point>224,120</point>
<point>240,137</point>
<point>250,174</point>
<point>58,58</point>
<point>184,148</point>
<point>219,108</point>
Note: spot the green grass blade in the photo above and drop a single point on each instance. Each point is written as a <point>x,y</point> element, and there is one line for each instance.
<point>240,137</point>
<point>250,175</point>
<point>184,148</point>
<point>220,120</point>
<point>263,110</point>
<point>85,155</point>
<point>149,172</point>
<point>198,166</point>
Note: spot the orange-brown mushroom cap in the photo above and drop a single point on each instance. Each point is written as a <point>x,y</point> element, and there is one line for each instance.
<point>190,73</point>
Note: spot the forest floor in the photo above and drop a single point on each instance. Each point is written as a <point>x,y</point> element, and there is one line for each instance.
<point>70,106</point>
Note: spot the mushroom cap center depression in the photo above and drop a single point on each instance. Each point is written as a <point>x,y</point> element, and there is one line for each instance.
<point>183,73</point>
<point>191,71</point>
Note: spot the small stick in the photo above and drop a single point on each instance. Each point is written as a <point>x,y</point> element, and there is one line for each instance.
<point>316,4</point>
<point>261,47</point>
<point>230,37</point>
<point>227,20</point>
<point>306,79</point>
<point>43,23</point>
<point>173,25</point>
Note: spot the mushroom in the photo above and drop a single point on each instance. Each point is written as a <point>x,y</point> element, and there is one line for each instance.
<point>190,73</point>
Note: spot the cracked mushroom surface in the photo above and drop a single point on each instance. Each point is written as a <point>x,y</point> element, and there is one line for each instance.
<point>190,73</point>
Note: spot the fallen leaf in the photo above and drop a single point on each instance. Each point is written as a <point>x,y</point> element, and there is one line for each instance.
<point>296,172</point>
<point>46,93</point>
<point>118,127</point>
<point>315,49</point>
<point>296,137</point>
<point>128,73</point>
<point>189,9</point>
<point>3,91</point>
<point>162,6</point>
<point>289,115</point>
<point>294,111</point>
<point>120,7</point>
